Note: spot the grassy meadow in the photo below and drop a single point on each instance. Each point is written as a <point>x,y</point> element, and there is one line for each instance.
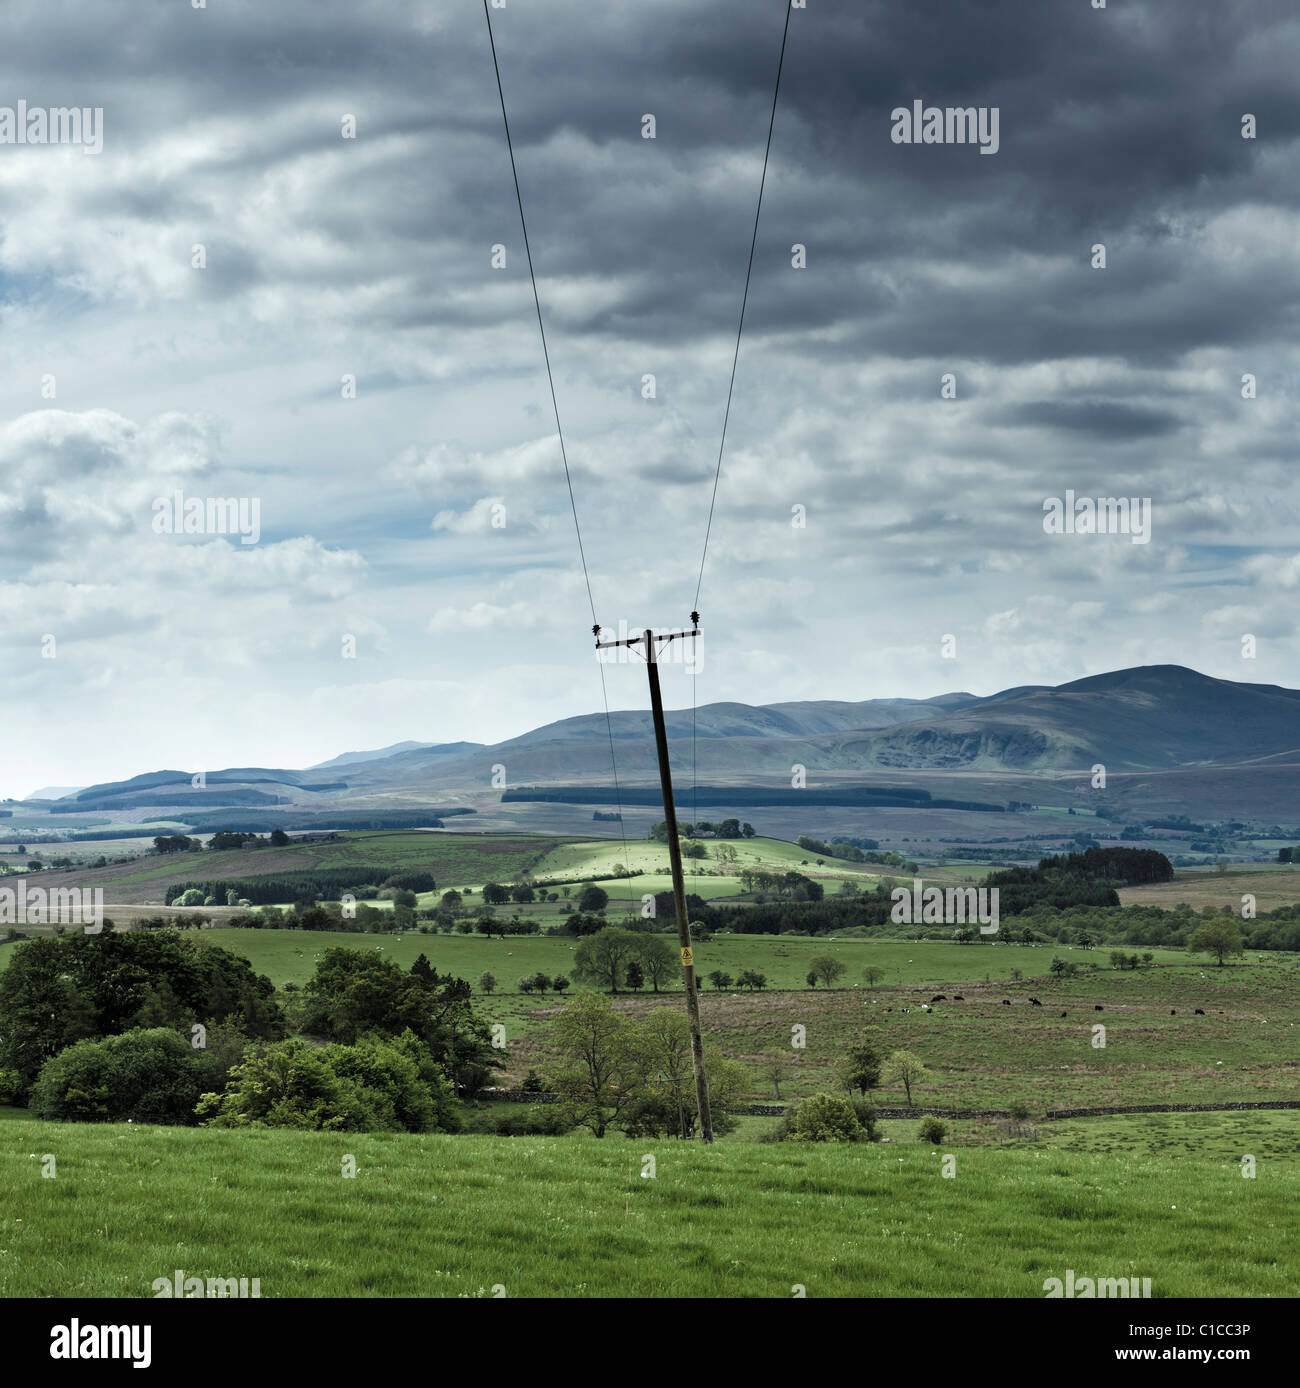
<point>573,1217</point>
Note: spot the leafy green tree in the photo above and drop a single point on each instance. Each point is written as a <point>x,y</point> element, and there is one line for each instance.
<point>494,894</point>
<point>1219,938</point>
<point>541,982</point>
<point>487,982</point>
<point>602,1059</point>
<point>559,983</point>
<point>906,1069</point>
<point>592,898</point>
<point>751,979</point>
<point>720,980</point>
<point>872,975</point>
<point>634,978</point>
<point>656,959</point>
<point>602,958</point>
<point>861,1068</point>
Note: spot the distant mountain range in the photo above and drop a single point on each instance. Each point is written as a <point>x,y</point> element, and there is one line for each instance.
<point>1139,723</point>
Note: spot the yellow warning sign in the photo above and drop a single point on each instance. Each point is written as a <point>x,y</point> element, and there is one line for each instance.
<point>687,958</point>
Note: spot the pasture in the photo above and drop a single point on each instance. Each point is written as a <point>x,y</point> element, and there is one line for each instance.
<point>438,1216</point>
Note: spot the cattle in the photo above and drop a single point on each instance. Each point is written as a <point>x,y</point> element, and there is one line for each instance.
<point>1035,1002</point>
<point>1006,1002</point>
<point>938,997</point>
<point>957,997</point>
<point>1097,1007</point>
<point>1063,1014</point>
<point>1199,1012</point>
<point>1173,1012</point>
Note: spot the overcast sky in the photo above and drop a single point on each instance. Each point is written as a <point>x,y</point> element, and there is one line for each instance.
<point>372,257</point>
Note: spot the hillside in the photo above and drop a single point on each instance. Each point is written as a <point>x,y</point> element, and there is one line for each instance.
<point>1171,739</point>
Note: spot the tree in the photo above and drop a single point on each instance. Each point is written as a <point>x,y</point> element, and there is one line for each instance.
<point>592,898</point>
<point>487,982</point>
<point>828,968</point>
<point>810,978</point>
<point>656,959</point>
<point>494,894</point>
<point>559,983</point>
<point>751,979</point>
<point>602,957</point>
<point>720,980</point>
<point>602,1057</point>
<point>1219,938</point>
<point>872,975</point>
<point>775,1065</point>
<point>522,892</point>
<point>747,830</point>
<point>635,979</point>
<point>541,982</point>
<point>279,838</point>
<point>906,1069</point>
<point>861,1068</point>
<point>668,1102</point>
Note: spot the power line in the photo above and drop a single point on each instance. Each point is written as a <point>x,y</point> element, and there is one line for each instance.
<point>546,355</point>
<point>519,198</point>
<point>744,300</point>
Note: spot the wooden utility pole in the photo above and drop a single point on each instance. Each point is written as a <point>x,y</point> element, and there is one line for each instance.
<point>675,856</point>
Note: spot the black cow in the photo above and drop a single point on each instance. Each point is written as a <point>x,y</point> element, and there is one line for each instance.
<point>1097,1007</point>
<point>1199,1012</point>
<point>1063,1014</point>
<point>1035,1002</point>
<point>957,997</point>
<point>1006,1002</point>
<point>938,997</point>
<point>1173,1012</point>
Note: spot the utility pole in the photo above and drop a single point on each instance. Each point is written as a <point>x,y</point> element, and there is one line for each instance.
<point>647,639</point>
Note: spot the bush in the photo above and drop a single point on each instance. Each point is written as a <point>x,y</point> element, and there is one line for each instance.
<point>148,1076</point>
<point>825,1118</point>
<point>865,1112</point>
<point>373,1086</point>
<point>932,1130</point>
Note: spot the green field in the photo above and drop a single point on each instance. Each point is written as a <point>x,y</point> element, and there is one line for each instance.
<point>462,1216</point>
<point>982,1052</point>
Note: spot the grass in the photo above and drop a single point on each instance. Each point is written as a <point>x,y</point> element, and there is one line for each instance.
<point>573,1217</point>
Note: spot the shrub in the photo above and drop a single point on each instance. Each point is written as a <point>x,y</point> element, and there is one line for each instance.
<point>150,1076</point>
<point>825,1118</point>
<point>865,1112</point>
<point>932,1130</point>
